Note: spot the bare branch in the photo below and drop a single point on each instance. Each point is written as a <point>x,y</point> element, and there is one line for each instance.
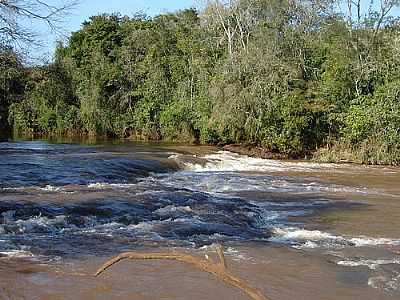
<point>218,270</point>
<point>15,14</point>
<point>220,251</point>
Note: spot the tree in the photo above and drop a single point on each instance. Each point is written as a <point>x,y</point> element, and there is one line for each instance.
<point>291,76</point>
<point>16,17</point>
<point>12,77</point>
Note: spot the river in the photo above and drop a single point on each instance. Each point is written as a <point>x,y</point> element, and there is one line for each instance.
<point>295,230</point>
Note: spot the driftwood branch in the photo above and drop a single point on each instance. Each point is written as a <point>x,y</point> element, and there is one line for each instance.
<point>222,260</point>
<point>219,270</point>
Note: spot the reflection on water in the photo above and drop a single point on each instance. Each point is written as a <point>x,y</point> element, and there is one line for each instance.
<point>69,201</point>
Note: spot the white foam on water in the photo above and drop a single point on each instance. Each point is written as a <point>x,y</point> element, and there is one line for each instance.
<point>103,229</point>
<point>104,185</point>
<point>171,208</point>
<point>387,283</point>
<point>145,226</point>
<point>31,224</point>
<point>233,253</point>
<point>211,166</point>
<point>301,235</point>
<point>12,189</point>
<point>50,188</point>
<point>40,224</point>
<point>372,264</point>
<point>47,189</point>
<point>367,241</point>
<point>303,238</point>
<point>223,184</point>
<point>16,254</point>
<point>227,161</point>
<point>238,255</point>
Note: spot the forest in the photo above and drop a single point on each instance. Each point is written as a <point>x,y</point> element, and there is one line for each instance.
<point>294,77</point>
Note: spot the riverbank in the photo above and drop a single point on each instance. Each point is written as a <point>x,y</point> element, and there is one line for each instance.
<point>371,154</point>
<point>340,153</point>
<point>259,152</point>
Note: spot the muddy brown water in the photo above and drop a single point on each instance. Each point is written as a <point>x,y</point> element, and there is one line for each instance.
<point>295,230</point>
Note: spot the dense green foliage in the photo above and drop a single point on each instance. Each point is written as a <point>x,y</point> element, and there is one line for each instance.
<point>12,77</point>
<point>290,76</point>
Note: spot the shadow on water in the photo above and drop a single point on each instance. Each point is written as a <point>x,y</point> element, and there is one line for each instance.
<point>4,135</point>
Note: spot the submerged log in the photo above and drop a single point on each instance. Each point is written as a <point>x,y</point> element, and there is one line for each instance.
<point>219,270</point>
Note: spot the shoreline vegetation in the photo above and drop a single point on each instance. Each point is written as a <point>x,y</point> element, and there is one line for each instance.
<point>289,79</point>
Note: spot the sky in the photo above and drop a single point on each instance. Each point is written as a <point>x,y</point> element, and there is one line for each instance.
<point>87,8</point>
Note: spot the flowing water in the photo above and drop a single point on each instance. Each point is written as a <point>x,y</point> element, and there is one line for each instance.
<point>295,230</point>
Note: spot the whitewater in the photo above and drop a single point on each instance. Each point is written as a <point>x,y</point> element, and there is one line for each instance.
<point>62,202</point>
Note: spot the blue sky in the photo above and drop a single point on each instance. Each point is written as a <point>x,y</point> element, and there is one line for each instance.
<point>87,8</point>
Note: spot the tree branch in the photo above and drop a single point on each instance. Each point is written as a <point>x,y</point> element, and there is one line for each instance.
<point>14,13</point>
<point>219,270</point>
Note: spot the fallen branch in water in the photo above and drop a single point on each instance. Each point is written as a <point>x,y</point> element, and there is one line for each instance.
<point>219,270</point>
